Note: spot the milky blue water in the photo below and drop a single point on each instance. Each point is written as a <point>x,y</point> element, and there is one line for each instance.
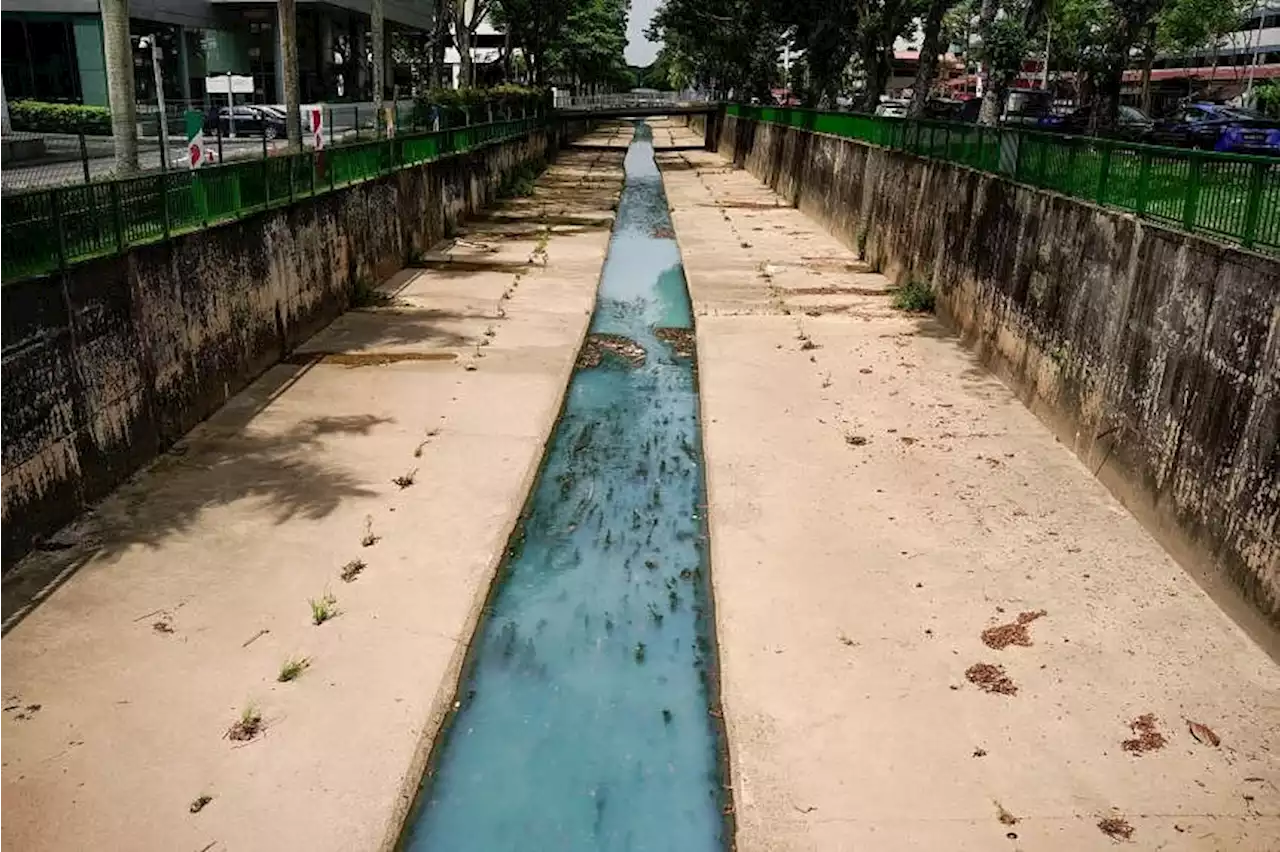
<point>584,720</point>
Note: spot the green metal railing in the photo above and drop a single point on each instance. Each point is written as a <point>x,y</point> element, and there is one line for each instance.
<point>48,230</point>
<point>1231,197</point>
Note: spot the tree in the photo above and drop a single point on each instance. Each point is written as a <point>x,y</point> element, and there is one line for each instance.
<point>464,25</point>
<point>825,30</point>
<point>287,10</point>
<point>118,53</point>
<point>927,64</point>
<point>729,46</point>
<point>535,25</point>
<point>379,56</point>
<point>880,23</point>
<point>1007,30</point>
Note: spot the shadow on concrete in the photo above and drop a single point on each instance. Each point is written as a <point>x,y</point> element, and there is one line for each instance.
<point>221,463</point>
<point>369,329</point>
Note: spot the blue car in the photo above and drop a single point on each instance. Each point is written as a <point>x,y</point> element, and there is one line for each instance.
<point>1219,128</point>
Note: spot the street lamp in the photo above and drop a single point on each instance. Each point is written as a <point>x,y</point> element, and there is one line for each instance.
<point>154,43</point>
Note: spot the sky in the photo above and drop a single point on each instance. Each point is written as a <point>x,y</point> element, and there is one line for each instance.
<point>640,51</point>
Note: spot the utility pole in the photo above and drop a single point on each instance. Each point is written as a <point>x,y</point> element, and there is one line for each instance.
<point>163,130</point>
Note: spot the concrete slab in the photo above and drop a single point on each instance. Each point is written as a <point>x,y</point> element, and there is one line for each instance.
<point>195,578</point>
<point>878,501</point>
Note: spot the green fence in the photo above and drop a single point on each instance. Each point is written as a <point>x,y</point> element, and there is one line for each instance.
<point>1228,196</point>
<point>48,230</point>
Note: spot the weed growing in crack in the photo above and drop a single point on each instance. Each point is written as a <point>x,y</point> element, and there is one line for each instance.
<point>323,609</point>
<point>404,480</point>
<point>248,726</point>
<point>293,669</point>
<point>352,570</point>
<point>369,539</point>
<point>914,297</point>
<point>198,803</point>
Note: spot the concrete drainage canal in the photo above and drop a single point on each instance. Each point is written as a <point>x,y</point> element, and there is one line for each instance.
<point>588,713</point>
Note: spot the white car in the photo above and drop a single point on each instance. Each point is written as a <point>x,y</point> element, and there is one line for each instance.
<point>892,109</point>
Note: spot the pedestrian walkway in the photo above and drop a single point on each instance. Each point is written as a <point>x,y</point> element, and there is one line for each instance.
<point>937,630</point>
<point>369,483</point>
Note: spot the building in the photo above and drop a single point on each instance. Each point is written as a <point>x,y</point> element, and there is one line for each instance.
<point>52,49</point>
<point>1222,72</point>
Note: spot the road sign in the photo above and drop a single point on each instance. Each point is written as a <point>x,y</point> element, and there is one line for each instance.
<point>197,154</point>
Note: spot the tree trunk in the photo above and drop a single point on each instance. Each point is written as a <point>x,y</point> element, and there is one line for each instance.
<point>991,106</point>
<point>118,51</point>
<point>377,29</point>
<point>462,42</point>
<point>928,62</point>
<point>1148,60</point>
<point>287,10</point>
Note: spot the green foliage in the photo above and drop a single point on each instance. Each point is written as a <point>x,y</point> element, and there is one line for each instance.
<point>1268,98</point>
<point>40,117</point>
<point>473,104</point>
<point>914,296</point>
<point>726,45</point>
<point>520,181</point>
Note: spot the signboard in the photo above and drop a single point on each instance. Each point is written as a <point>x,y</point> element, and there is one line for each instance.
<point>228,84</point>
<point>197,154</point>
<point>313,123</point>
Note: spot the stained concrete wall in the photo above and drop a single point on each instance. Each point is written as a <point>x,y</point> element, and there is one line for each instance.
<point>110,363</point>
<point>1155,354</point>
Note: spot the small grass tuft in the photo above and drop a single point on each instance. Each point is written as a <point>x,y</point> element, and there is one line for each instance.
<point>198,803</point>
<point>914,297</point>
<point>352,570</point>
<point>367,295</point>
<point>369,539</point>
<point>323,609</point>
<point>404,480</point>
<point>293,669</point>
<point>248,726</point>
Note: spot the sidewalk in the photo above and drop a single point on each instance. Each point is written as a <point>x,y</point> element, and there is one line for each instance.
<point>122,687</point>
<point>877,502</point>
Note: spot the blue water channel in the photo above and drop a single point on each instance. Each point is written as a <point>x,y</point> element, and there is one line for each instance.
<point>586,715</point>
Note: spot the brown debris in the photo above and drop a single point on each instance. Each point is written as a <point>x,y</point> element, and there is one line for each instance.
<point>1203,733</point>
<point>1147,739</point>
<point>681,340</point>
<point>1004,816</point>
<point>1014,633</point>
<point>1117,828</point>
<point>597,344</point>
<point>991,679</point>
<point>246,728</point>
<point>664,232</point>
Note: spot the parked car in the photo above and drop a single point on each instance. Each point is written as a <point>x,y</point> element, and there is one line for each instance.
<point>1022,108</point>
<point>255,121</point>
<point>892,109</point>
<point>1219,128</point>
<point>1131,123</point>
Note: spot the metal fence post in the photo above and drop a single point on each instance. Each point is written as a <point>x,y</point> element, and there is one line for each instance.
<point>117,216</point>
<point>217,129</point>
<point>84,157</point>
<point>1144,177</point>
<point>1191,201</point>
<point>1104,169</point>
<point>1253,204</point>
<point>163,179</point>
<point>55,203</point>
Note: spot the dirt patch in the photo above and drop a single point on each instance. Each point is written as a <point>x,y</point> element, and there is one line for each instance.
<point>1147,736</point>
<point>681,340</point>
<point>1117,828</point>
<point>596,346</point>
<point>990,678</point>
<point>1014,633</point>
<point>365,359</point>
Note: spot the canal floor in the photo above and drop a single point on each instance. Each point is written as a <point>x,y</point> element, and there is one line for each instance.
<point>584,719</point>
<point>883,511</point>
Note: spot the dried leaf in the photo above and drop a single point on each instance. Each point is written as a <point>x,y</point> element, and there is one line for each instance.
<point>1203,733</point>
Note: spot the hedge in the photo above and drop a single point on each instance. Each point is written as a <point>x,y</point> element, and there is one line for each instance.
<point>40,117</point>
<point>471,104</point>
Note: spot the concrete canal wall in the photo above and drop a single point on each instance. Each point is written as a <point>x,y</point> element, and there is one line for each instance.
<point>107,365</point>
<point>1153,353</point>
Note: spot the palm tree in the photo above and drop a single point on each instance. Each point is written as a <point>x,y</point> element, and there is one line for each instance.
<point>287,11</point>
<point>118,52</point>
